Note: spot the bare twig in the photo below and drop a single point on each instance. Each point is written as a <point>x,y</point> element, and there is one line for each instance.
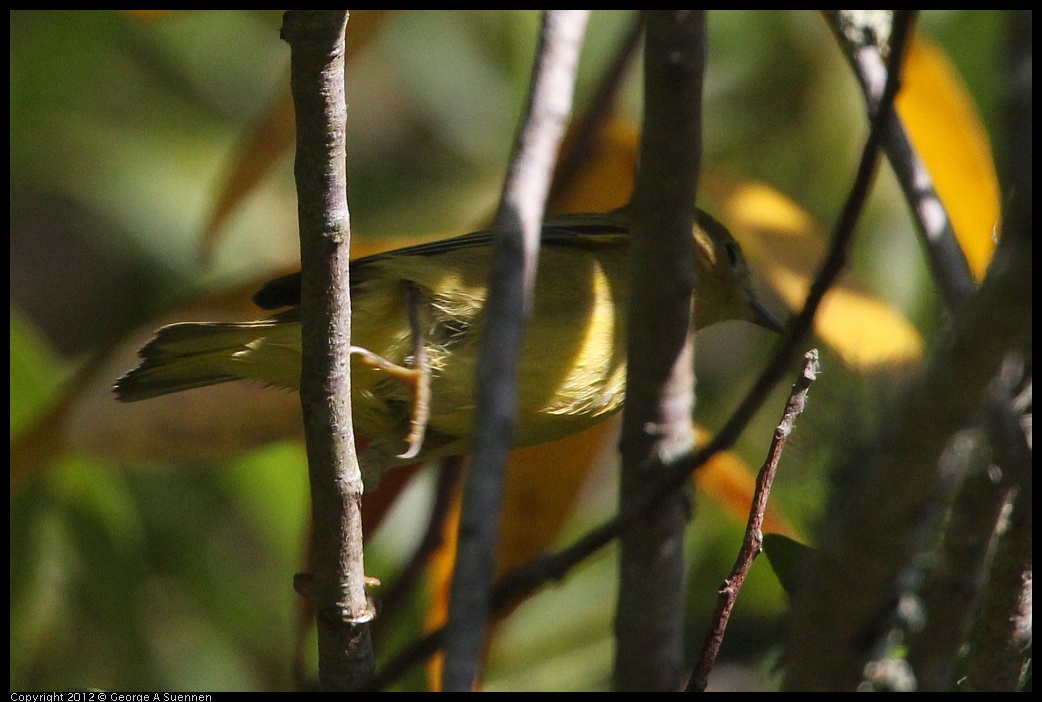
<point>518,224</point>
<point>316,39</point>
<point>752,543</point>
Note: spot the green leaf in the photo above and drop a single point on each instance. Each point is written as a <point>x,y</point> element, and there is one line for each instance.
<point>787,557</point>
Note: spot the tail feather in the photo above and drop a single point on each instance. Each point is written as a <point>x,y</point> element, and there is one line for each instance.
<point>185,356</point>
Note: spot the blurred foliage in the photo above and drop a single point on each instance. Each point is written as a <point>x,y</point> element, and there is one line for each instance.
<point>125,129</point>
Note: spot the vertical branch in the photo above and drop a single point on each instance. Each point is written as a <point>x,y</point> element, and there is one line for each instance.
<point>316,39</point>
<point>517,226</point>
<point>656,427</point>
<point>954,580</point>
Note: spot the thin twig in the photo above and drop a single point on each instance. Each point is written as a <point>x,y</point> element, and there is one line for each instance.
<point>752,543</point>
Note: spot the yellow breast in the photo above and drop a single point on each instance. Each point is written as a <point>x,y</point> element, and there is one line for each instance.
<point>572,370</point>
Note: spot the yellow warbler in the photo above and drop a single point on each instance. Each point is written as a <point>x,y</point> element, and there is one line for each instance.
<point>418,316</point>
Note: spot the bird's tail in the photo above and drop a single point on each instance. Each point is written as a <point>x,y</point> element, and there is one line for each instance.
<point>194,354</point>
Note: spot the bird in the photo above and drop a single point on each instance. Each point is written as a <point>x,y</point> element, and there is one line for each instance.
<point>418,315</point>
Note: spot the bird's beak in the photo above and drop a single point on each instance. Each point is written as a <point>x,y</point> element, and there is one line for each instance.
<point>764,318</point>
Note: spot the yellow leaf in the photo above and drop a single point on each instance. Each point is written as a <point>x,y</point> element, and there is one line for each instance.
<point>605,180</point>
<point>786,247</point>
<point>946,131</point>
<point>864,330</point>
<point>543,483</point>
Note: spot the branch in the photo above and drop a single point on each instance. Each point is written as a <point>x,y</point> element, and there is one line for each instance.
<point>316,40</point>
<point>752,543</point>
<point>874,528</point>
<point>656,420</point>
<point>950,270</point>
<point>1001,644</point>
<point>518,225</point>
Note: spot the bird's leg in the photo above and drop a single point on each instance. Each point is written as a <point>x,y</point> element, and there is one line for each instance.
<point>418,377</point>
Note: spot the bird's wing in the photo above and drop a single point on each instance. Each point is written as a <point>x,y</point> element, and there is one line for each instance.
<point>561,230</point>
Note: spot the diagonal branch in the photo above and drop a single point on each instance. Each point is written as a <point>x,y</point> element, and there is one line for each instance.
<point>752,543</point>
<point>517,225</point>
<point>947,261</point>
